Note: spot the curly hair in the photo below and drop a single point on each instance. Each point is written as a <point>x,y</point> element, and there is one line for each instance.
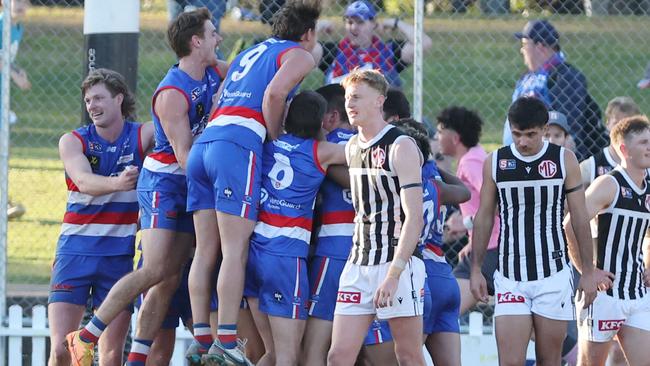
<point>467,123</point>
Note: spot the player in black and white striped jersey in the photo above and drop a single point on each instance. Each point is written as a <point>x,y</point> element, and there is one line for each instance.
<point>621,202</point>
<point>530,180</point>
<point>382,276</point>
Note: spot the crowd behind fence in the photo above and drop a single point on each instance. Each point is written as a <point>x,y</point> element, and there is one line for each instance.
<point>474,61</point>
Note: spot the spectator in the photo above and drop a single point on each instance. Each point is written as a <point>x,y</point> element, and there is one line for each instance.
<point>18,76</point>
<point>559,85</point>
<point>557,129</point>
<point>459,130</point>
<point>362,46</point>
<point>606,159</point>
<point>217,9</point>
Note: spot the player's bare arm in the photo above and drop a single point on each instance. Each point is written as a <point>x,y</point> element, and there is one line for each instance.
<point>296,64</point>
<point>646,258</point>
<point>330,154</point>
<point>599,195</point>
<point>408,31</point>
<point>452,190</point>
<point>171,107</point>
<point>408,166</point>
<point>146,136</point>
<point>78,168</point>
<point>483,223</point>
<point>340,175</point>
<point>573,186</point>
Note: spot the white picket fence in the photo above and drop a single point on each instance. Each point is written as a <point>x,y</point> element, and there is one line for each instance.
<point>478,345</point>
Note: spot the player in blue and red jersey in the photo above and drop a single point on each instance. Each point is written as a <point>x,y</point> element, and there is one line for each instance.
<point>225,167</point>
<point>334,237</point>
<point>96,245</point>
<point>180,107</point>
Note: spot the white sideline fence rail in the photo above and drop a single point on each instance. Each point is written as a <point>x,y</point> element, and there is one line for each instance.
<point>478,345</point>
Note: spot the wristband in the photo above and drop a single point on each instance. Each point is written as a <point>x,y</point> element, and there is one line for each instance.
<point>468,222</point>
<point>396,268</point>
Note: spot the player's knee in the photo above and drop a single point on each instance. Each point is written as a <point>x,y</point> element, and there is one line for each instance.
<point>155,274</point>
<point>338,356</point>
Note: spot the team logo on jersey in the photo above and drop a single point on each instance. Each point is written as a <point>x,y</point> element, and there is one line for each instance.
<point>264,195</point>
<point>200,109</point>
<point>125,159</point>
<point>195,93</point>
<point>378,156</point>
<point>626,192</point>
<point>94,146</point>
<point>647,202</point>
<point>507,164</point>
<point>547,169</point>
<point>602,170</point>
<point>94,162</point>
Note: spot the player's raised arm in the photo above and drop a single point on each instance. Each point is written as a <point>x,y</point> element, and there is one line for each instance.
<point>171,107</point>
<point>296,64</point>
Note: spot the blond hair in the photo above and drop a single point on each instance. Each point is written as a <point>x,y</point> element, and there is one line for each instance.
<point>372,78</point>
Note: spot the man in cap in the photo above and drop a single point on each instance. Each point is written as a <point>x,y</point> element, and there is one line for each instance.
<point>559,85</point>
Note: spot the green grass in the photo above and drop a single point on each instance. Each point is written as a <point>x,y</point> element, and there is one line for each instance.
<point>474,62</point>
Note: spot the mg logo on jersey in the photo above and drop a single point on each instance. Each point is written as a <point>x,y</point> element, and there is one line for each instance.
<point>378,157</point>
<point>607,325</point>
<point>510,298</point>
<point>547,169</point>
<point>349,297</point>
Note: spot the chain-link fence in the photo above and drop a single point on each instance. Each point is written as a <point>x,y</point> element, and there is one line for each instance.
<point>473,60</point>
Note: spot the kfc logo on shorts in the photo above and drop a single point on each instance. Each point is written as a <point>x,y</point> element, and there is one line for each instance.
<point>608,325</point>
<point>378,156</point>
<point>349,297</point>
<point>547,169</point>
<point>510,298</point>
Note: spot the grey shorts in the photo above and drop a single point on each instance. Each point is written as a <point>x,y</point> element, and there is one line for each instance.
<point>464,268</point>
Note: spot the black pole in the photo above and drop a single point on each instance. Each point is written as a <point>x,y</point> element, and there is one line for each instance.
<point>111,30</point>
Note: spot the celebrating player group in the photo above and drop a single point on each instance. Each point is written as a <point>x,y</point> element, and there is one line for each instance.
<point>287,227</point>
